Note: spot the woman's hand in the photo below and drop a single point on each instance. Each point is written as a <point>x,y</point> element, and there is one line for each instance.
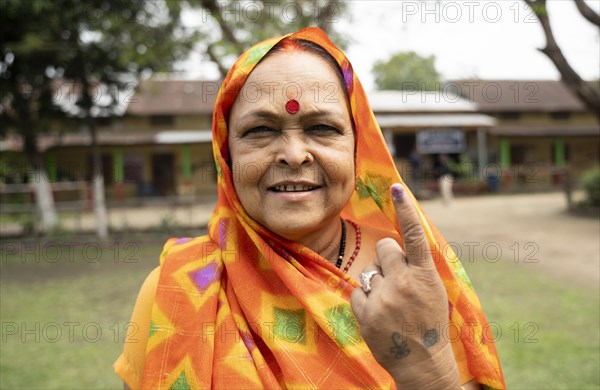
<point>404,318</point>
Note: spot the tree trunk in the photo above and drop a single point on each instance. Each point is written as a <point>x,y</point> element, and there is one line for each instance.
<point>45,200</point>
<point>588,95</point>
<point>86,104</point>
<point>587,12</point>
<point>43,190</point>
<point>98,188</point>
<point>214,58</point>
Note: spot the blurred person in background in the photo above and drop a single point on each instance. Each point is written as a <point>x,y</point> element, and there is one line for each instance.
<point>445,178</point>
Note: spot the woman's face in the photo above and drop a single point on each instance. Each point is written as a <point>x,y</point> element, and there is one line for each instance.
<point>293,173</point>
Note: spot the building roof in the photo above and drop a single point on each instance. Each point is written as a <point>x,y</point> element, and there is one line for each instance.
<point>419,101</point>
<point>106,102</point>
<point>183,136</point>
<point>174,97</point>
<point>49,141</point>
<point>517,95</point>
<point>552,130</point>
<point>189,97</point>
<point>467,120</point>
<point>431,109</point>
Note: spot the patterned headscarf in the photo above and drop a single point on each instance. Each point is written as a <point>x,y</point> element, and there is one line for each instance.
<point>246,308</point>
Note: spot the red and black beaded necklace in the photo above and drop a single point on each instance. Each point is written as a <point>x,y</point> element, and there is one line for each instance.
<point>340,259</point>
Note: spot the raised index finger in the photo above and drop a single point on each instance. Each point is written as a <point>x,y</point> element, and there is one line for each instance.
<point>416,246</point>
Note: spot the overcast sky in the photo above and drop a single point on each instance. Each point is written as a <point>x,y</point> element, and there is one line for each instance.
<point>470,39</point>
<point>483,39</point>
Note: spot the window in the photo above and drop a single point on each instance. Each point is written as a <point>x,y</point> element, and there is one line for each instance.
<point>133,167</point>
<point>162,120</point>
<point>510,115</point>
<point>104,121</point>
<point>518,154</point>
<point>404,144</point>
<point>560,115</point>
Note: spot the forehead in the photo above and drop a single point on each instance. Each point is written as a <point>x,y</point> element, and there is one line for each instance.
<point>304,76</point>
<point>294,66</point>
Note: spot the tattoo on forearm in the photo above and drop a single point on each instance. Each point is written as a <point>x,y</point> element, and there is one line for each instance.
<point>430,338</point>
<point>400,348</point>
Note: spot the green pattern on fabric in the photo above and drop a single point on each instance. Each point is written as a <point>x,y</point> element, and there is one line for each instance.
<point>456,265</point>
<point>344,325</point>
<point>181,383</point>
<point>219,172</point>
<point>290,325</point>
<point>376,187</point>
<point>153,328</point>
<point>460,272</point>
<point>258,53</point>
<point>363,192</point>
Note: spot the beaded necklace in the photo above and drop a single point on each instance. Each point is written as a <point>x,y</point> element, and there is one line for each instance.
<point>340,259</point>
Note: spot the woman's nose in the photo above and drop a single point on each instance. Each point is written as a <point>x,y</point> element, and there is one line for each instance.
<point>294,153</point>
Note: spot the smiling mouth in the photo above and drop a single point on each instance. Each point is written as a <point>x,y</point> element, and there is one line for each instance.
<point>293,188</point>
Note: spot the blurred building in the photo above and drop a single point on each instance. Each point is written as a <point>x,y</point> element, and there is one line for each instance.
<point>422,126</point>
<point>521,133</point>
<point>160,146</point>
<point>541,128</point>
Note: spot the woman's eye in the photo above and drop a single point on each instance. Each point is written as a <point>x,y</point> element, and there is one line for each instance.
<point>323,128</point>
<point>259,130</point>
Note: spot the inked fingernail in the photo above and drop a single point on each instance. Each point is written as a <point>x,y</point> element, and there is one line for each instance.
<point>397,193</point>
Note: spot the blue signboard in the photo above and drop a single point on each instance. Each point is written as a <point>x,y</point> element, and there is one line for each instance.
<point>441,141</point>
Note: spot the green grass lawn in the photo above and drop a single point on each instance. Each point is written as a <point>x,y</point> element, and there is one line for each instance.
<point>546,331</point>
<point>63,321</point>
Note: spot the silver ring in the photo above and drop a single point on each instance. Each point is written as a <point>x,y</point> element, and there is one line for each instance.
<point>309,157</point>
<point>365,279</point>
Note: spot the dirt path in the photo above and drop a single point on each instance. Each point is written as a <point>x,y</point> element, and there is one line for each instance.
<point>531,229</point>
<point>523,229</point>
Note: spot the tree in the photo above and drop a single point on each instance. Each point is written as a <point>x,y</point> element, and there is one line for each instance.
<point>228,28</point>
<point>586,92</point>
<point>103,46</point>
<point>99,48</point>
<point>407,71</point>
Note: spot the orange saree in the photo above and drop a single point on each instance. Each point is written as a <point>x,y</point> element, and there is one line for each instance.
<point>245,308</point>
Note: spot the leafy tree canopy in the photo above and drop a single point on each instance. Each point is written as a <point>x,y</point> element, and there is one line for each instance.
<point>228,28</point>
<point>407,71</point>
<point>86,43</point>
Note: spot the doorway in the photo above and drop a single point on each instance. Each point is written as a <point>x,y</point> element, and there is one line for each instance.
<point>163,174</point>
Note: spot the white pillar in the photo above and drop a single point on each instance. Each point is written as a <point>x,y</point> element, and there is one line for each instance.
<point>482,152</point>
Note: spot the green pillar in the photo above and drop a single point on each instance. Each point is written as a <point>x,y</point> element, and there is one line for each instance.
<point>559,152</point>
<point>118,164</point>
<point>52,165</point>
<point>504,153</point>
<point>186,161</point>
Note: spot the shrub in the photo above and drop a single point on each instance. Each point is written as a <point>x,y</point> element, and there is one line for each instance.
<point>591,183</point>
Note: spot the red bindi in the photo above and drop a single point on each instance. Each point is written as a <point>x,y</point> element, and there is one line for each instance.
<point>292,106</point>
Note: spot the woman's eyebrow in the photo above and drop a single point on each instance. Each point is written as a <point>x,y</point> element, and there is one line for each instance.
<point>321,113</point>
<point>307,113</point>
<point>259,114</point>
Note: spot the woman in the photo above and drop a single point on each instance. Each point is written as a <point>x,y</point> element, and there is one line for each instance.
<point>270,297</point>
